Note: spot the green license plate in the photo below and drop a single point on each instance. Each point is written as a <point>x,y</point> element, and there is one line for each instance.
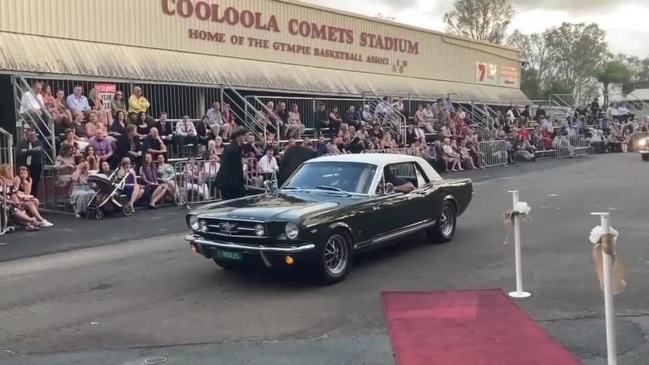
<point>229,255</point>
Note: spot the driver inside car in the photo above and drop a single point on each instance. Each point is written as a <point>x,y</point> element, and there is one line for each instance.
<point>400,185</point>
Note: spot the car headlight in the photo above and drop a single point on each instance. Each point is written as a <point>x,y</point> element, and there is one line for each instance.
<point>202,225</point>
<point>192,222</point>
<point>291,229</point>
<point>259,230</point>
<point>643,142</point>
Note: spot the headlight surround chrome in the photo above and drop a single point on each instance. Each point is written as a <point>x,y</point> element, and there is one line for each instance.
<point>259,230</point>
<point>192,222</point>
<point>291,230</point>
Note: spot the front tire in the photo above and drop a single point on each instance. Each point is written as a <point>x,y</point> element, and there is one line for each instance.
<point>645,156</point>
<point>444,229</point>
<point>334,259</point>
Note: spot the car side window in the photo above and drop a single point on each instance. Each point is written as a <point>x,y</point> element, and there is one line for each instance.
<point>421,177</point>
<point>405,171</point>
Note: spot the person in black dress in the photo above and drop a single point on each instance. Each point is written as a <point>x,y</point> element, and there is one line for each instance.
<point>230,177</point>
<point>293,158</point>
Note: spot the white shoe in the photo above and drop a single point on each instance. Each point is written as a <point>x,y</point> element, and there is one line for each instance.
<point>46,223</point>
<point>77,215</point>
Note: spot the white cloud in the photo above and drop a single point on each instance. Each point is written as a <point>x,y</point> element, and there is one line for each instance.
<point>625,21</point>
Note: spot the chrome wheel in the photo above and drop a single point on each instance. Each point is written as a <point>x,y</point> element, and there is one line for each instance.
<point>336,255</point>
<point>447,221</point>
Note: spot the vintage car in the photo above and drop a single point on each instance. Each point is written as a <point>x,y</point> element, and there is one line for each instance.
<point>328,211</point>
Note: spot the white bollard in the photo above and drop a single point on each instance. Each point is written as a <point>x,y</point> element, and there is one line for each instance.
<point>519,293</point>
<point>609,308</point>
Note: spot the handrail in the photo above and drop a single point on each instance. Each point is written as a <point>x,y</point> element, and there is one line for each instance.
<point>249,120</point>
<point>10,146</point>
<point>51,143</point>
<point>272,112</point>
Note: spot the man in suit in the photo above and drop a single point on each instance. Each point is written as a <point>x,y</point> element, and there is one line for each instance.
<point>230,176</point>
<point>165,129</point>
<point>293,157</point>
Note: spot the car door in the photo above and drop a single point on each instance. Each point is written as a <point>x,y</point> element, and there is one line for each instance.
<point>398,210</point>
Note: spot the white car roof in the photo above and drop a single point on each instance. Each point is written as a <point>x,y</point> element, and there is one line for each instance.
<point>380,160</point>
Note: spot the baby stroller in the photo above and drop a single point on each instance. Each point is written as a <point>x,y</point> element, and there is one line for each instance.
<point>109,196</point>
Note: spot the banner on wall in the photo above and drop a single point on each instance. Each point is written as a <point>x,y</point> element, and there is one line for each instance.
<point>508,76</point>
<point>486,73</point>
<point>106,93</point>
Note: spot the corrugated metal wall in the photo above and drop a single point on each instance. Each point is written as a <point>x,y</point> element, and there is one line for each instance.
<point>142,23</point>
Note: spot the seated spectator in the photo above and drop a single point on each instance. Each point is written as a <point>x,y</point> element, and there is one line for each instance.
<point>119,125</point>
<point>14,209</point>
<point>321,119</point>
<point>218,147</point>
<point>612,142</point>
<point>366,115</point>
<point>149,176</point>
<point>355,146</point>
<point>295,128</point>
<point>132,189</point>
<point>127,145</point>
<point>185,135</point>
<point>104,169</point>
<point>70,140</point>
<point>451,156</point>
<point>92,159</point>
<point>25,202</point>
<point>334,121</point>
<point>430,155</point>
<point>102,146</point>
<point>65,165</point>
<point>229,120</point>
<point>153,144</point>
<point>118,104</point>
<point>78,104</point>
<point>165,129</point>
<point>281,113</point>
<point>320,146</point>
<point>350,116</point>
<point>249,148</point>
<point>23,186</point>
<point>81,193</point>
<point>204,131</point>
<point>138,104</point>
<point>376,132</point>
<point>218,123</point>
<point>93,126</point>
<point>465,156</point>
<point>523,150</point>
<point>195,180</point>
<point>62,109</point>
<point>546,138</point>
<point>143,126</point>
<point>562,142</point>
<point>167,176</point>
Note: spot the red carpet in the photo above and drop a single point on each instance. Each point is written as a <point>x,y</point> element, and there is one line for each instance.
<point>478,327</point>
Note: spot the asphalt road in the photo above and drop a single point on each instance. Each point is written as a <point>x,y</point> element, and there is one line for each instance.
<point>124,302</point>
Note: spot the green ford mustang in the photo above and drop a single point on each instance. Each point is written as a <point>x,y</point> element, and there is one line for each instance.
<point>331,209</point>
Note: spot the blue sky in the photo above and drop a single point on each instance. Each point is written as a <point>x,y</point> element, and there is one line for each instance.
<point>626,21</point>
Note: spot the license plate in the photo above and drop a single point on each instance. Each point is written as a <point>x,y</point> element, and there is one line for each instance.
<point>235,256</point>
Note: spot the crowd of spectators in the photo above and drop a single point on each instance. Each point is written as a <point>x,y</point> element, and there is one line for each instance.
<point>123,139</point>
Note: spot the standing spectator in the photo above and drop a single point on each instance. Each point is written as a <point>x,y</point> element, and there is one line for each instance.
<point>294,126</point>
<point>230,177</point>
<point>268,164</point>
<point>29,153</point>
<point>118,104</point>
<point>102,146</point>
<point>137,104</point>
<point>78,103</point>
<point>153,144</point>
<point>321,119</point>
<point>31,103</point>
<point>81,192</point>
<point>185,135</point>
<point>334,121</point>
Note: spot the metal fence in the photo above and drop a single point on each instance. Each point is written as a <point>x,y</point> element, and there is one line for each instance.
<point>492,153</point>
<point>571,146</point>
<point>6,147</point>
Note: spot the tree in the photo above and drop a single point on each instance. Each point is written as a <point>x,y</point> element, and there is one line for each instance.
<point>575,51</point>
<point>534,60</point>
<point>485,20</point>
<point>556,87</point>
<point>614,73</point>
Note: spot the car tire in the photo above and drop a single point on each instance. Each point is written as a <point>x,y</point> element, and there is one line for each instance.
<point>334,258</point>
<point>444,228</point>
<point>645,157</point>
<point>228,265</point>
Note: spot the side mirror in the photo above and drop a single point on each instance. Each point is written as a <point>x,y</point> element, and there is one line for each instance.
<point>389,188</point>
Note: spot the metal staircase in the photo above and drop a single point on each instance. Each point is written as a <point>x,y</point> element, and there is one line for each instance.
<point>245,113</point>
<point>393,120</point>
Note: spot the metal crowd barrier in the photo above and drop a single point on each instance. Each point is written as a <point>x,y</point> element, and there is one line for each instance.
<point>397,151</point>
<point>196,180</point>
<point>571,146</point>
<point>635,138</point>
<point>493,153</point>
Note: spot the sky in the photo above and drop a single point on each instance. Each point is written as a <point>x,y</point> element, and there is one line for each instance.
<point>625,21</point>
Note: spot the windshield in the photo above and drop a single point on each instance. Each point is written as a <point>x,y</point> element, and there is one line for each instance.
<point>350,177</point>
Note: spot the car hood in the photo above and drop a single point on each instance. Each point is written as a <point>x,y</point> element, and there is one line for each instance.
<point>276,206</point>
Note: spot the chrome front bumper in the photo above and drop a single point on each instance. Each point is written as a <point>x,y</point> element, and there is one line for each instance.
<point>192,239</point>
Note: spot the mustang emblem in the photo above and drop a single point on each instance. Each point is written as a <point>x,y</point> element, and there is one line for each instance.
<point>227,227</point>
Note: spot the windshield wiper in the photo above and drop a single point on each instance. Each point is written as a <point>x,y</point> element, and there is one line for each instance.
<point>331,187</point>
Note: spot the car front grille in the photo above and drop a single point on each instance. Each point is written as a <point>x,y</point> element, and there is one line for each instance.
<point>233,228</point>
